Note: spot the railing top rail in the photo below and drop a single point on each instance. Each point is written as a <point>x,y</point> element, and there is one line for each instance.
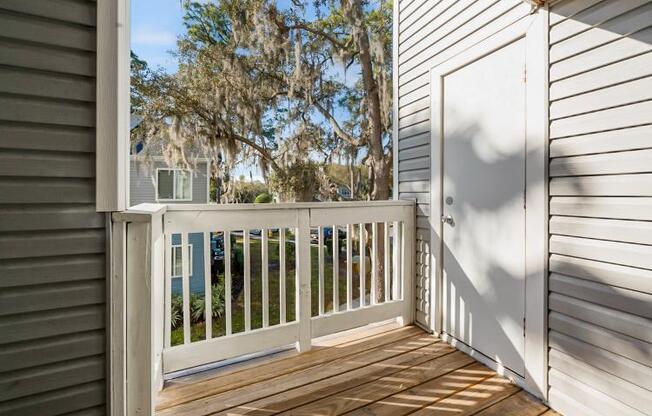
<point>288,205</point>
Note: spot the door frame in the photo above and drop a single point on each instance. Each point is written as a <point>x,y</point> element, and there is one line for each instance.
<point>534,29</point>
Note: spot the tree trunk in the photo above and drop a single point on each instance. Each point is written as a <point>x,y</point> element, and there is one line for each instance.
<point>380,189</point>
<point>381,175</point>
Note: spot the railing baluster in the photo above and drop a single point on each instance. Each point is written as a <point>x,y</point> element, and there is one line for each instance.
<point>265,273</point>
<point>281,275</point>
<point>320,256</point>
<point>168,292</point>
<point>303,291</point>
<point>362,266</point>
<point>227,280</point>
<point>349,267</point>
<point>208,294</point>
<point>374,267</point>
<point>403,244</point>
<point>397,263</point>
<point>247,280</point>
<point>336,269</point>
<point>185,287</point>
<point>387,259</point>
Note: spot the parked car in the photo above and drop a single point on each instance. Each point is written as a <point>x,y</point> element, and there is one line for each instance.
<point>217,253</point>
<point>314,234</point>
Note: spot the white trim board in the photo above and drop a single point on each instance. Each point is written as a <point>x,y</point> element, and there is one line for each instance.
<point>395,59</point>
<point>534,30</point>
<point>112,106</point>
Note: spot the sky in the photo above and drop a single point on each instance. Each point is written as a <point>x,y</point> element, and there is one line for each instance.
<point>155,26</point>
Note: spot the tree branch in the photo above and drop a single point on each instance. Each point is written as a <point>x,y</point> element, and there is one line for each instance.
<point>336,126</point>
<point>308,28</point>
<point>260,149</point>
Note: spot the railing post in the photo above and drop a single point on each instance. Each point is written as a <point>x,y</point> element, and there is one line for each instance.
<point>144,306</point>
<point>302,299</point>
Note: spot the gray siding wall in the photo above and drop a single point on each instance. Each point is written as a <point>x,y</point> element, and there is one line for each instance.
<point>142,187</point>
<point>52,242</point>
<point>601,207</point>
<point>430,33</point>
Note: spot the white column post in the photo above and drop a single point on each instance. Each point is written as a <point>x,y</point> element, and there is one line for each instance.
<point>144,306</point>
<point>117,318</point>
<point>302,299</point>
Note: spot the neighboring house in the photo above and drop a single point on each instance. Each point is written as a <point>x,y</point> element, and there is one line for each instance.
<point>154,181</point>
<point>196,262</point>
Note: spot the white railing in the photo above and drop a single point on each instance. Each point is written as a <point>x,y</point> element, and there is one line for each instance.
<point>201,277</point>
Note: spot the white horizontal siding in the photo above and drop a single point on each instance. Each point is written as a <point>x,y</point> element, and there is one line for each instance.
<point>634,138</point>
<point>601,207</point>
<point>617,321</point>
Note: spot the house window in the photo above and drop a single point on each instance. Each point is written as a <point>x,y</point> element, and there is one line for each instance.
<point>177,262</point>
<point>174,185</point>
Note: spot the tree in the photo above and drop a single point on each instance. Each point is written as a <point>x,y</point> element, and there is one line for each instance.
<point>256,82</point>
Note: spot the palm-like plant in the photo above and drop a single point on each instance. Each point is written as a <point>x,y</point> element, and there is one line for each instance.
<point>176,311</point>
<point>198,304</point>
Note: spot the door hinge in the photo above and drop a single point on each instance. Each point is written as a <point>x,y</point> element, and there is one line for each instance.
<point>525,76</point>
<point>523,327</point>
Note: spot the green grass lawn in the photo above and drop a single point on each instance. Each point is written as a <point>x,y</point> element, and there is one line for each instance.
<point>198,329</point>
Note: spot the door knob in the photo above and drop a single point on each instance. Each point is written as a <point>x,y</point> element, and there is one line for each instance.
<point>447,219</point>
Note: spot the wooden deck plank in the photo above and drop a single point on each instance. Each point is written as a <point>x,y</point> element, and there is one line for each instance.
<point>327,387</point>
<point>425,394</point>
<point>519,404</point>
<point>232,380</point>
<point>317,343</point>
<point>362,367</point>
<point>473,399</point>
<point>355,398</point>
<point>376,372</point>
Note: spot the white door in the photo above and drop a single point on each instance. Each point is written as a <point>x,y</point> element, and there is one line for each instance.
<point>483,191</point>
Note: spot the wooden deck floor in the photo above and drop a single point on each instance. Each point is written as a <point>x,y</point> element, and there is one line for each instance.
<point>379,371</point>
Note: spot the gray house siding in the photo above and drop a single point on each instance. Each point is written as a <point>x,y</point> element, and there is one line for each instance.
<point>142,187</point>
<point>52,242</point>
<point>430,33</point>
<point>600,283</point>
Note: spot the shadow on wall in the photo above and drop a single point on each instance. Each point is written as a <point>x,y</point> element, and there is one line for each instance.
<point>465,301</point>
<point>635,33</point>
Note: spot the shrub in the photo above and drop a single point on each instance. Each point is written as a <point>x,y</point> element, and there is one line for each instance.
<point>263,198</point>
